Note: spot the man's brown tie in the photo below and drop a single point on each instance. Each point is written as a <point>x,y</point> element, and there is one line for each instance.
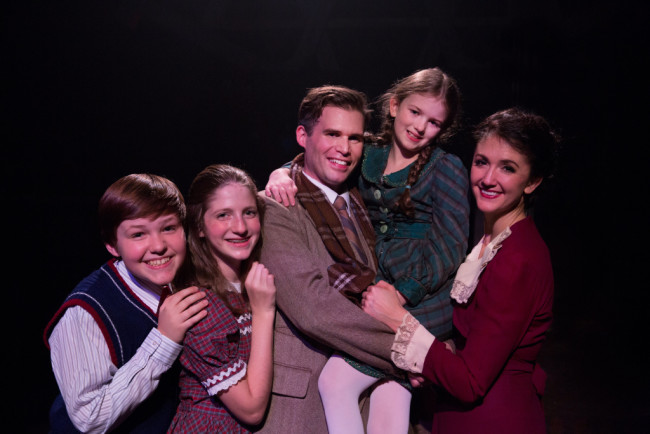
<point>348,226</point>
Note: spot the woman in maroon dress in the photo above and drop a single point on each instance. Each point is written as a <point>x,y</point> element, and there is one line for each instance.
<point>503,293</point>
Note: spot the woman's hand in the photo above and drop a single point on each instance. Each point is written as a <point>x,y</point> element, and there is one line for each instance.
<point>260,287</point>
<point>281,187</point>
<point>417,380</point>
<point>381,301</point>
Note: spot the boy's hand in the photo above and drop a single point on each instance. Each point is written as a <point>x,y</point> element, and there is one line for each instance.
<point>180,311</point>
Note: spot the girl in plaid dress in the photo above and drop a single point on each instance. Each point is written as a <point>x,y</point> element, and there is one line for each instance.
<point>416,195</point>
<point>227,358</point>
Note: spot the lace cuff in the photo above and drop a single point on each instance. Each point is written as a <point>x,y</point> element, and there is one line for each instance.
<point>411,345</point>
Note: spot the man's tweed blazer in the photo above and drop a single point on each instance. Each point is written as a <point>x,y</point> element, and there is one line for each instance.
<point>313,321</point>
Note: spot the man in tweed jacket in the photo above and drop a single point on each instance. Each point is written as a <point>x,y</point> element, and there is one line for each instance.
<point>314,319</point>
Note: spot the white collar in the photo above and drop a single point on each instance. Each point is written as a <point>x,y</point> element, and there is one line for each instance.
<point>236,286</point>
<point>469,271</point>
<point>148,297</point>
<point>331,194</point>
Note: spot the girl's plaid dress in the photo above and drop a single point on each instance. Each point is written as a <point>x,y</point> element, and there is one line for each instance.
<point>214,358</point>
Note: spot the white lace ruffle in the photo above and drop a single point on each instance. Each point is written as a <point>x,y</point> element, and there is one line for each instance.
<point>403,337</point>
<point>469,271</point>
<point>462,292</point>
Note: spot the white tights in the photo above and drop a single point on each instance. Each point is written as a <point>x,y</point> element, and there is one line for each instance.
<point>340,386</point>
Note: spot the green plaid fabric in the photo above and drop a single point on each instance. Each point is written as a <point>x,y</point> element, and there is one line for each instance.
<point>419,255</point>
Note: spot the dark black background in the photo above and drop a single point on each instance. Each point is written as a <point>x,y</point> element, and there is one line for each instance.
<point>95,90</point>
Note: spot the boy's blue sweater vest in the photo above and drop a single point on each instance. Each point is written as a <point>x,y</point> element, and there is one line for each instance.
<point>125,323</point>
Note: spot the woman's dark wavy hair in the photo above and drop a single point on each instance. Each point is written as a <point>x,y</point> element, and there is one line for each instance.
<point>434,82</point>
<point>202,269</point>
<point>528,133</point>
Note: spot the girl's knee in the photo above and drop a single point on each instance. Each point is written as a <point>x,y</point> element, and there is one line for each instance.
<point>330,385</point>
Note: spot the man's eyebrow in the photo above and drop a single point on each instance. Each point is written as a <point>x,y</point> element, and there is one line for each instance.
<point>331,130</point>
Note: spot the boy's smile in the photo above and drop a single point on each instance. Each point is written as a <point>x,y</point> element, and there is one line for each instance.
<point>152,249</point>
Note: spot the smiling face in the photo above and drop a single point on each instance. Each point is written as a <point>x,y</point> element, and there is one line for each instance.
<point>152,249</point>
<point>231,226</point>
<point>418,119</point>
<point>334,147</point>
<point>500,177</point>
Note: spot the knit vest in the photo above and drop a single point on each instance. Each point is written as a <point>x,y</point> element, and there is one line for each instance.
<point>125,322</point>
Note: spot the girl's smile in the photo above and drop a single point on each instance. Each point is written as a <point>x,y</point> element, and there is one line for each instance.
<point>418,119</point>
<point>232,227</point>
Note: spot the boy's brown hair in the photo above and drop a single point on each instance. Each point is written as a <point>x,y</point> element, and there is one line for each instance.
<point>136,196</point>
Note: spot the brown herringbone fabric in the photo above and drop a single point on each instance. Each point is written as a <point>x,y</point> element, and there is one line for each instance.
<point>347,275</point>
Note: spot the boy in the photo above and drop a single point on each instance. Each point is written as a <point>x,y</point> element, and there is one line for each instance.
<point>116,336</point>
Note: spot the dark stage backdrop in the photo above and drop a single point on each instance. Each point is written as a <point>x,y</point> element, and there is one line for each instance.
<point>95,90</point>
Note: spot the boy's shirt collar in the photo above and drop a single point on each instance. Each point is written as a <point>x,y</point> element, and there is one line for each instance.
<point>148,297</point>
